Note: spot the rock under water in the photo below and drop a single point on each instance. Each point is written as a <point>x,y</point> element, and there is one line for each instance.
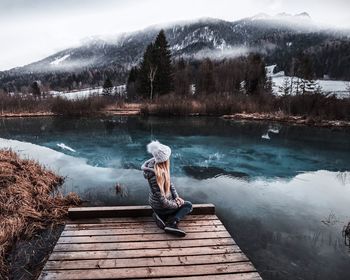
<point>202,172</point>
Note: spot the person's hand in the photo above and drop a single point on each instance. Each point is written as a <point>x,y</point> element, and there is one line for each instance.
<point>179,201</point>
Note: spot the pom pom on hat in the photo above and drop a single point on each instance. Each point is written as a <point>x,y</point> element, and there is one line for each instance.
<point>159,151</point>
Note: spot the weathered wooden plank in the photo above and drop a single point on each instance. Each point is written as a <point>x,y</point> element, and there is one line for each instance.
<point>150,272</point>
<point>143,245</point>
<point>122,254</point>
<point>148,262</point>
<point>150,224</point>
<point>137,219</point>
<point>129,245</point>
<point>141,238</point>
<point>123,231</point>
<point>231,276</point>
<point>128,211</point>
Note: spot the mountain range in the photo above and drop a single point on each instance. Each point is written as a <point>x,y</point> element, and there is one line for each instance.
<point>278,38</point>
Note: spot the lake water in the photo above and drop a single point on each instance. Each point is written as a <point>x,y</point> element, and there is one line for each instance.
<point>284,199</point>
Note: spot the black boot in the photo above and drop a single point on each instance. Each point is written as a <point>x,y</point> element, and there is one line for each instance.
<point>172,228</point>
<point>160,223</point>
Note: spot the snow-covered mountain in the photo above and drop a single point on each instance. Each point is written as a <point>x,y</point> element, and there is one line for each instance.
<point>276,37</point>
<point>203,37</point>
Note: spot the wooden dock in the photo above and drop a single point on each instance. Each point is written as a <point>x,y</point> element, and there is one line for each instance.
<point>125,243</point>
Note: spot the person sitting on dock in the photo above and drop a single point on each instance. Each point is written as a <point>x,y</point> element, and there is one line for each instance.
<point>169,208</point>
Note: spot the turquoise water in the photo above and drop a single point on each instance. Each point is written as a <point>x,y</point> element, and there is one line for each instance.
<point>284,199</point>
<point>198,142</point>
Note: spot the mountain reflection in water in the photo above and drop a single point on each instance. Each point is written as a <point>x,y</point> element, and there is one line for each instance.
<point>284,200</point>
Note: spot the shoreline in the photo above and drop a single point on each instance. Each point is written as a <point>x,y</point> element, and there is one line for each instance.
<point>27,114</point>
<point>274,117</point>
<point>292,120</point>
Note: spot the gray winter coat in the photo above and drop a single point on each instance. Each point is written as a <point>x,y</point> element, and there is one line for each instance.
<point>156,199</point>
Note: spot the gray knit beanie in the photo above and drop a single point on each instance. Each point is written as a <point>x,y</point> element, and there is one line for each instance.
<point>159,151</point>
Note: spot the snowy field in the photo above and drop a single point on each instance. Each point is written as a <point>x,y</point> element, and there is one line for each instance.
<point>84,93</point>
<point>339,88</point>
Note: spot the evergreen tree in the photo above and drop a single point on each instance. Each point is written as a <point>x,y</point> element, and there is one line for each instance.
<point>305,69</point>
<point>148,68</point>
<point>182,82</point>
<point>131,84</point>
<point>205,83</point>
<point>132,75</point>
<point>36,91</point>
<point>284,89</point>
<point>255,77</point>
<point>108,87</point>
<point>306,73</point>
<point>155,76</point>
<point>164,77</point>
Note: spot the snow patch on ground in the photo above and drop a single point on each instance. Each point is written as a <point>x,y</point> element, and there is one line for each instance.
<point>84,93</point>
<point>338,88</point>
<point>77,94</point>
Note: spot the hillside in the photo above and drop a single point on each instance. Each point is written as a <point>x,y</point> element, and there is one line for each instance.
<point>279,39</point>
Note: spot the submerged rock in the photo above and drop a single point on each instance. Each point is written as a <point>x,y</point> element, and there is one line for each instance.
<point>201,172</point>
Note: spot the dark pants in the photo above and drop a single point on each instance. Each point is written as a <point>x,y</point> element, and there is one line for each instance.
<point>175,214</point>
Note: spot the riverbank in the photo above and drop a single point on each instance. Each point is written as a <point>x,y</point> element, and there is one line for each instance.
<point>310,110</point>
<point>291,120</point>
<point>29,204</point>
<point>26,114</point>
<point>134,109</point>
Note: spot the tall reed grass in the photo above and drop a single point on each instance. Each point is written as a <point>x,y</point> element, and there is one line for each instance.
<point>310,105</point>
<point>28,202</point>
<point>17,103</point>
<point>80,107</point>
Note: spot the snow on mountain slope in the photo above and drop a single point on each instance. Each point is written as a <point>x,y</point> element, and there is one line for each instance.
<point>59,60</point>
<point>262,32</point>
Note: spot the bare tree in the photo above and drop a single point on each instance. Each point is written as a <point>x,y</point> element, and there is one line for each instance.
<point>292,73</point>
<point>151,76</point>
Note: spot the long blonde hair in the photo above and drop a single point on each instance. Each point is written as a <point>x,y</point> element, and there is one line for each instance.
<point>162,171</point>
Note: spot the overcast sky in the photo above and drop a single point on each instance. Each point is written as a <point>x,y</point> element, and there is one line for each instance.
<point>33,29</point>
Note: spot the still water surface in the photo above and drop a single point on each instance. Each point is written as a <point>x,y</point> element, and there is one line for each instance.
<point>284,199</point>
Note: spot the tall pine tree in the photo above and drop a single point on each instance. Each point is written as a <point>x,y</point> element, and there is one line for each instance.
<point>131,84</point>
<point>155,76</point>
<point>164,82</point>
<point>108,86</point>
<point>36,91</point>
<point>255,76</point>
<point>147,68</point>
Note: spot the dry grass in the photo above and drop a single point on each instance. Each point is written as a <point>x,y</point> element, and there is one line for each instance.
<point>28,201</point>
<point>14,104</point>
<point>27,105</point>
<point>80,107</point>
<point>312,106</point>
<point>213,105</point>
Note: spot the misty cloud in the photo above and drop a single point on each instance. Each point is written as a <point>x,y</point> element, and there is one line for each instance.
<point>222,53</point>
